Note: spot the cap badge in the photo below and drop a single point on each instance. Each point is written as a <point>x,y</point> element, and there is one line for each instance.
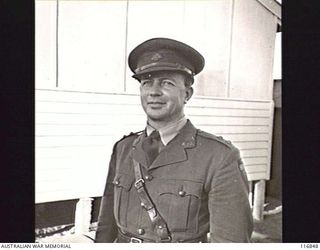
<point>156,57</point>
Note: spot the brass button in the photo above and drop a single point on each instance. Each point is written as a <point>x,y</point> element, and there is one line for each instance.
<point>117,182</point>
<point>160,227</point>
<point>148,177</point>
<point>141,231</point>
<point>142,204</point>
<point>182,193</point>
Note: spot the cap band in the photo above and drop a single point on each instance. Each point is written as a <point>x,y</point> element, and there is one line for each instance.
<point>164,64</point>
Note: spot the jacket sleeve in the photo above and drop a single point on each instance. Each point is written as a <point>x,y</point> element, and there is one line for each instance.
<point>229,208</point>
<point>107,228</point>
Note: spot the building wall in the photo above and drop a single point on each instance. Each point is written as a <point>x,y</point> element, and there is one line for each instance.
<point>86,98</point>
<point>75,133</point>
<point>86,48</point>
<point>251,60</point>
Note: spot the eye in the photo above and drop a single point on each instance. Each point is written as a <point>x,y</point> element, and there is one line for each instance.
<point>168,83</point>
<point>145,83</point>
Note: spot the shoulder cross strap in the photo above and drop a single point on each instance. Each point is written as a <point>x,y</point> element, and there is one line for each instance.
<point>159,224</point>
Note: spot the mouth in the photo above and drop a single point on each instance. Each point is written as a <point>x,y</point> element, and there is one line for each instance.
<point>156,104</point>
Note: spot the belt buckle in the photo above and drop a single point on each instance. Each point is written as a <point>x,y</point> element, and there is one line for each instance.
<point>166,240</point>
<point>135,240</point>
<point>139,183</point>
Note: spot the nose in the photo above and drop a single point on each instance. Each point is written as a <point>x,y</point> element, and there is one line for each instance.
<point>156,89</point>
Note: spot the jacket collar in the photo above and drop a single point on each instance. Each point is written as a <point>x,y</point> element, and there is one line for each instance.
<point>168,132</point>
<point>174,152</point>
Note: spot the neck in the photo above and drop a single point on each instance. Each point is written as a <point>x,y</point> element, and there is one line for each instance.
<point>160,124</point>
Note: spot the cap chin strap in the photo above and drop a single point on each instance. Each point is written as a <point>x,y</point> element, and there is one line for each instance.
<point>176,66</point>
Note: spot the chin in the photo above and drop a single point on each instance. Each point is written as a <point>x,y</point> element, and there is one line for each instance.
<point>156,116</point>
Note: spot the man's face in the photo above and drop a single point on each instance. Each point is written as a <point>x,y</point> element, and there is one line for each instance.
<point>163,95</point>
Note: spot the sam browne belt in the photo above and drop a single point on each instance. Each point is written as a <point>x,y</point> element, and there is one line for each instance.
<point>125,237</point>
<point>158,223</point>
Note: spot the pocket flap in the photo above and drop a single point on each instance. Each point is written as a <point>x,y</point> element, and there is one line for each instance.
<point>123,180</point>
<point>181,188</point>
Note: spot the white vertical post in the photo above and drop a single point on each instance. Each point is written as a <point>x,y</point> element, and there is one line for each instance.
<point>251,193</point>
<point>83,215</point>
<point>258,205</point>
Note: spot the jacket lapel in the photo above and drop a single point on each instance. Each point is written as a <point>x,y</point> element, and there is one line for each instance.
<point>137,152</point>
<point>175,151</point>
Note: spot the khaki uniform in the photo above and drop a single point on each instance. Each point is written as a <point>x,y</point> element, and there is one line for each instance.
<point>197,184</point>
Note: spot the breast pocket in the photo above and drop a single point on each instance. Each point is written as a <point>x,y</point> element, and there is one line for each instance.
<point>122,185</point>
<point>179,204</point>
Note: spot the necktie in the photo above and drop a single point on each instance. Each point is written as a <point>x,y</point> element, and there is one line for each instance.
<point>151,146</point>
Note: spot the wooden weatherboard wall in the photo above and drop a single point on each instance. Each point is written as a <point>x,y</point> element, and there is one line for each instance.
<point>75,132</point>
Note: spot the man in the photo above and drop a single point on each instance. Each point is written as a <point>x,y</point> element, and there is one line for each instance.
<point>172,182</point>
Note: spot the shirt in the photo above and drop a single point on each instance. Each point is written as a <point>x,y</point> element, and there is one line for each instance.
<point>168,132</point>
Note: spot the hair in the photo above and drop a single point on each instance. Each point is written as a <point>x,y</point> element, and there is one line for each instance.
<point>188,80</point>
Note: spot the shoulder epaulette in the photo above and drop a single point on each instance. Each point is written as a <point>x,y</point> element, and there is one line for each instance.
<point>216,138</point>
<point>131,134</point>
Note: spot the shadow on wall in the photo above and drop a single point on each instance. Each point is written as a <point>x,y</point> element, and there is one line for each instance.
<point>274,185</point>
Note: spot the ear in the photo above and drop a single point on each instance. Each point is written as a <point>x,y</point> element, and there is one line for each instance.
<point>189,93</point>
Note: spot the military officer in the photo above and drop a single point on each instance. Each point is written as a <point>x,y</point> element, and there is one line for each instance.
<point>172,182</point>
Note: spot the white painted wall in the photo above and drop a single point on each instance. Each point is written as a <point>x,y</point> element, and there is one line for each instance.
<point>94,38</point>
<point>253,40</point>
<point>45,44</point>
<point>92,45</point>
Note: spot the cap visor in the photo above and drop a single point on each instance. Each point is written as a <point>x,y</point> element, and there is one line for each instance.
<point>158,69</point>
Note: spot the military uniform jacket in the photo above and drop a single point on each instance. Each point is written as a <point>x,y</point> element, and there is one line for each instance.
<point>197,184</point>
